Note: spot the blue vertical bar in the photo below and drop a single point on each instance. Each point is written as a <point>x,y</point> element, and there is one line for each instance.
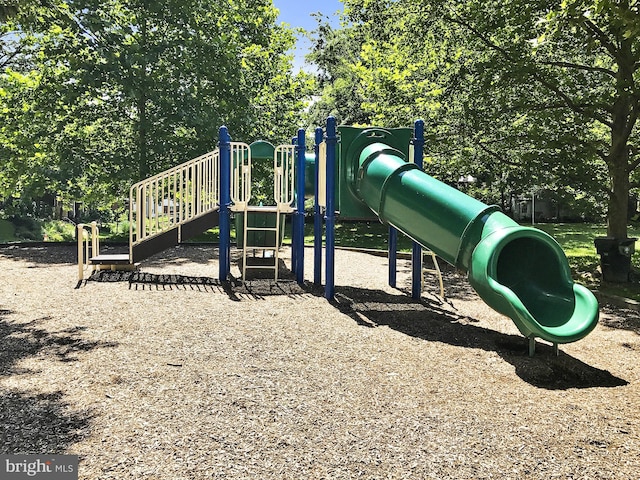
<point>416,254</point>
<point>330,211</point>
<point>300,176</point>
<point>294,221</point>
<point>317,218</point>
<point>225,202</point>
<point>393,256</point>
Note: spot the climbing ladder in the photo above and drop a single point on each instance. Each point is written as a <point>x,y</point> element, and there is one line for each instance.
<point>263,225</point>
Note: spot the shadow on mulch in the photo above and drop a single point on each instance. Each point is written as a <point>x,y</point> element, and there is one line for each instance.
<point>37,423</point>
<point>41,254</point>
<point>22,340</point>
<point>435,322</point>
<point>621,318</point>
<point>259,284</point>
<point>454,281</point>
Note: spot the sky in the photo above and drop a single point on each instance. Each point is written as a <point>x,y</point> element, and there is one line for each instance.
<point>297,13</point>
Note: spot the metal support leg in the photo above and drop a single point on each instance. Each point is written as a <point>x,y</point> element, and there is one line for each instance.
<point>532,346</point>
<point>556,350</point>
<point>393,256</point>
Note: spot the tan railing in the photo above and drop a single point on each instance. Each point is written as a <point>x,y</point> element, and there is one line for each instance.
<point>284,179</point>
<point>173,197</point>
<point>88,246</point>
<point>240,176</point>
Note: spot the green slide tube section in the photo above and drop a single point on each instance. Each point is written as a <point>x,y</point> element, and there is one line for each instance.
<point>519,271</point>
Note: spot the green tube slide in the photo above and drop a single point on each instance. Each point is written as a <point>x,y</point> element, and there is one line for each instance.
<point>519,271</point>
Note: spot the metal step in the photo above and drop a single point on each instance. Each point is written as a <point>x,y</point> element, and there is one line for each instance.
<point>110,259</point>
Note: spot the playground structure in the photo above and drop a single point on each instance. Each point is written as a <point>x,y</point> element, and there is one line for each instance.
<point>364,174</point>
<point>180,203</point>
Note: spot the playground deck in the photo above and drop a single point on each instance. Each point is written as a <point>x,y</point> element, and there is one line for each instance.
<point>173,375</point>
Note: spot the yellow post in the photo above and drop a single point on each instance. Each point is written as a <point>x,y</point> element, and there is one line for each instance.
<point>80,237</point>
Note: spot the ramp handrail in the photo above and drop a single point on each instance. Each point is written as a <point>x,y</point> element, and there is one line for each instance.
<point>173,197</point>
<point>88,237</point>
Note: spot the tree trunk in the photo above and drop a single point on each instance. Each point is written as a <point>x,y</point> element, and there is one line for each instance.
<point>619,194</point>
<point>615,256</point>
<point>615,252</point>
<point>618,156</point>
<point>143,164</point>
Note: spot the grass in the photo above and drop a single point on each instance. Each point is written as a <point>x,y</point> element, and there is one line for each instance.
<point>7,231</point>
<point>576,239</point>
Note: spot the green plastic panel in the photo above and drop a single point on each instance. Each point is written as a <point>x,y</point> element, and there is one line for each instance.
<point>309,175</point>
<point>262,150</point>
<point>352,141</point>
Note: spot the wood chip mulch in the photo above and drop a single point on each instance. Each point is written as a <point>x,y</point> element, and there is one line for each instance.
<point>168,373</point>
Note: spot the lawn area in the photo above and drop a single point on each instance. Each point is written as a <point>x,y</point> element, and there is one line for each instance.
<point>576,239</point>
<point>7,231</point>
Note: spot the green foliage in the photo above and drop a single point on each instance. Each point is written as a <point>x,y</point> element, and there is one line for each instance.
<point>521,94</point>
<point>58,231</point>
<point>27,229</point>
<point>7,231</point>
<point>23,228</point>
<point>97,95</point>
<point>117,230</point>
<point>335,52</point>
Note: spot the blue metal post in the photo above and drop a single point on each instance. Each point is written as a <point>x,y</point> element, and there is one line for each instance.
<point>225,202</point>
<point>416,254</point>
<point>299,214</point>
<point>317,218</point>
<point>294,221</point>
<point>393,256</point>
<point>330,211</point>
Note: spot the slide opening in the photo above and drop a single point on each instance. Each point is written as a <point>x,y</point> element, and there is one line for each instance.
<point>533,269</point>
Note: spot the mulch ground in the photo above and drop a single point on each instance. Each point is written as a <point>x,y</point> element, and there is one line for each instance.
<point>167,373</point>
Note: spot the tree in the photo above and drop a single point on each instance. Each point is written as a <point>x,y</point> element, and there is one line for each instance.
<point>335,52</point>
<point>531,93</point>
<point>121,90</point>
<point>581,60</point>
